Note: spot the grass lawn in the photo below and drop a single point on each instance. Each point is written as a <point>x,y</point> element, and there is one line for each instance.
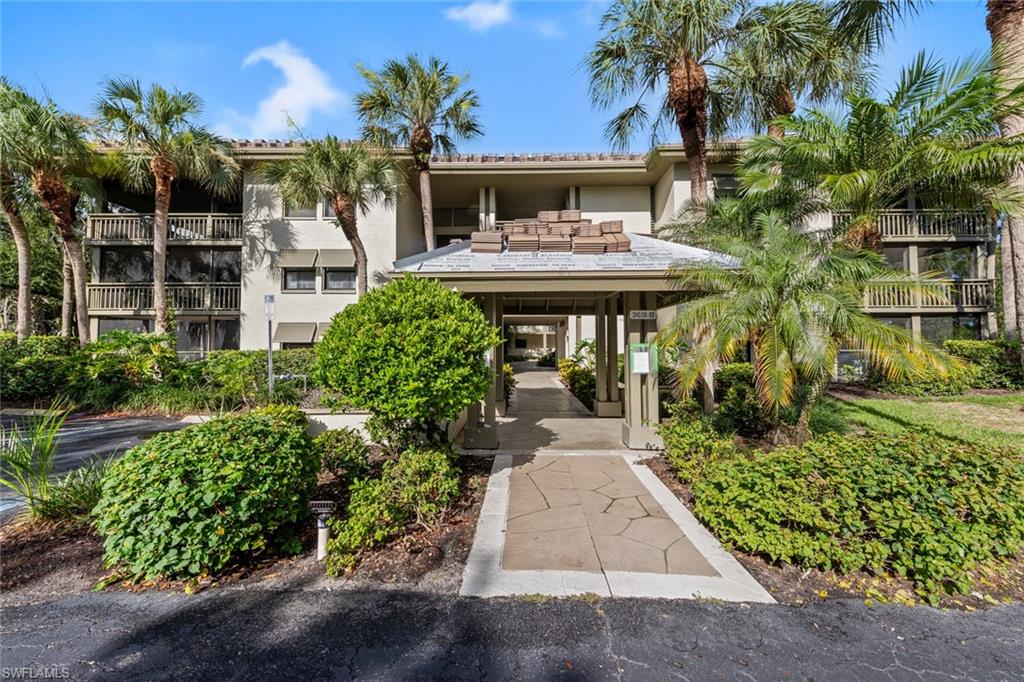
<point>986,419</point>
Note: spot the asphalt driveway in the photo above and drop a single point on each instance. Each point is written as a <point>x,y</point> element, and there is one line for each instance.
<point>382,634</point>
<point>85,438</point>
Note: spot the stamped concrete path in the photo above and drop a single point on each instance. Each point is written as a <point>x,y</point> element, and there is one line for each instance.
<point>556,522</point>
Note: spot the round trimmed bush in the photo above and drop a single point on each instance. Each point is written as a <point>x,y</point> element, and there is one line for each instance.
<point>411,352</point>
<point>924,507</point>
<point>190,502</point>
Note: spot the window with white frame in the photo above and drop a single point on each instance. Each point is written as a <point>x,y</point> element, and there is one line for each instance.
<point>298,279</point>
<point>339,279</point>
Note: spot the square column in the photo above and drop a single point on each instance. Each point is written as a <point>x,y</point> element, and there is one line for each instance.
<point>641,407</point>
<point>482,434</point>
<point>607,403</point>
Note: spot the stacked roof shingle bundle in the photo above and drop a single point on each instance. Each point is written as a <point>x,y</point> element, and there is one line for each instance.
<point>518,241</point>
<point>587,229</point>
<point>571,215</point>
<point>611,226</point>
<point>588,244</point>
<point>547,216</point>
<point>486,242</point>
<point>556,238</point>
<point>616,242</point>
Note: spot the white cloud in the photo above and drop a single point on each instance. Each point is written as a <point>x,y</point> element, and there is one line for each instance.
<point>481,15</point>
<point>549,28</point>
<point>306,89</point>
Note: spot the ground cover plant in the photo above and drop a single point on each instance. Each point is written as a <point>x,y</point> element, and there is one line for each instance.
<point>188,503</point>
<point>412,353</point>
<point>982,364</point>
<point>920,506</point>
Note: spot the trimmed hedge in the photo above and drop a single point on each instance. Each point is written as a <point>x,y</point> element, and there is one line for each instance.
<point>691,441</point>
<point>993,363</point>
<point>920,506</point>
<point>188,503</point>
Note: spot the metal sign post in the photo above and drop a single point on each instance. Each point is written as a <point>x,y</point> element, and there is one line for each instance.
<point>268,311</point>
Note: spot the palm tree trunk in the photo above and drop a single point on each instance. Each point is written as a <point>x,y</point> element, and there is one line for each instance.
<point>67,301</point>
<point>55,197</point>
<point>785,105</point>
<point>163,176</point>
<point>1005,22</point>
<point>23,327</point>
<point>426,201</point>
<point>1008,285</point>
<point>687,96</point>
<point>345,213</point>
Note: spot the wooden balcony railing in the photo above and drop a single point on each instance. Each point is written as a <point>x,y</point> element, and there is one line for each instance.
<point>953,295</point>
<point>927,225</point>
<point>138,227</point>
<point>182,297</point>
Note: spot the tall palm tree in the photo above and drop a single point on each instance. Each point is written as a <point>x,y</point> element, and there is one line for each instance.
<point>932,138</point>
<point>12,214</point>
<point>161,142</point>
<point>48,146</point>
<point>658,53</point>
<point>422,106</point>
<point>797,301</point>
<point>1005,24</point>
<point>353,176</point>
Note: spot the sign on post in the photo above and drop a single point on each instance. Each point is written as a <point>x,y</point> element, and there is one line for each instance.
<point>643,314</point>
<point>643,358</point>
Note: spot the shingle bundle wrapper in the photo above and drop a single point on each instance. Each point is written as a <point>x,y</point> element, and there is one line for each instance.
<point>547,216</point>
<point>571,215</point>
<point>587,230</point>
<point>616,242</point>
<point>523,242</point>
<point>555,243</point>
<point>611,226</point>
<point>589,245</point>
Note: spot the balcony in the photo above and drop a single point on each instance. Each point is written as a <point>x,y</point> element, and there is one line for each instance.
<point>189,228</point>
<point>966,295</point>
<point>184,298</point>
<point>901,225</point>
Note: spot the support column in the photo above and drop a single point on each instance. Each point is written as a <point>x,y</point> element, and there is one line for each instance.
<point>561,331</point>
<point>483,434</point>
<point>607,403</point>
<point>600,352</point>
<point>641,407</point>
<point>499,356</point>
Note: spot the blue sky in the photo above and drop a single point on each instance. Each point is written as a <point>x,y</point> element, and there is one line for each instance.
<point>247,60</point>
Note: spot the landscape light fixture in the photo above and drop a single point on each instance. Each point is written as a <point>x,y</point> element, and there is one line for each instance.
<point>323,509</point>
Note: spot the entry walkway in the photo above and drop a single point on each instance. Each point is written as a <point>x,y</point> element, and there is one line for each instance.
<point>543,416</point>
<point>595,524</point>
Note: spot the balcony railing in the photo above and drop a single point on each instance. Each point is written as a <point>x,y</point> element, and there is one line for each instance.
<point>927,225</point>
<point>186,227</point>
<point>953,295</point>
<point>182,297</point>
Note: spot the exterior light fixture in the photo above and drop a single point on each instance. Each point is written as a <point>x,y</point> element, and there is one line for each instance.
<point>323,509</point>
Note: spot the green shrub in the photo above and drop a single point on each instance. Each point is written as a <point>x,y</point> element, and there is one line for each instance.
<point>920,506</point>
<point>36,369</point>
<point>190,502</point>
<point>740,411</point>
<point>417,486</point>
<point>344,453</point>
<point>732,374</point>
<point>998,361</point>
<point>827,416</point>
<point>961,377</point>
<point>580,380</point>
<point>692,442</point>
<point>411,352</point>
<point>509,383</point>
<point>235,378</point>
<point>73,497</point>
<point>547,360</point>
<point>288,414</point>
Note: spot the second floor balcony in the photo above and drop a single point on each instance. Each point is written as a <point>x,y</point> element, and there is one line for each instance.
<point>926,225</point>
<point>183,298</point>
<point>190,228</point>
<point>965,295</point>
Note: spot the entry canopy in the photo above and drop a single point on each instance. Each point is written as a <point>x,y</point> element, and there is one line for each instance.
<point>294,332</point>
<point>645,268</point>
<point>336,258</point>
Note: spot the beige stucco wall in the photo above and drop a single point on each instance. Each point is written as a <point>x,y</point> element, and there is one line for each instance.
<point>387,233</point>
<point>631,205</point>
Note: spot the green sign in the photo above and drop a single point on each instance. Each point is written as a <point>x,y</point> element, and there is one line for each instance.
<point>643,358</point>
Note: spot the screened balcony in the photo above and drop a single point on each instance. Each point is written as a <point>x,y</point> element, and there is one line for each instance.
<point>183,298</point>
<point>137,228</point>
<point>972,295</point>
<point>928,225</point>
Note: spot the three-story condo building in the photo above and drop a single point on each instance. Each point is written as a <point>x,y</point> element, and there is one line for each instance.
<point>225,256</point>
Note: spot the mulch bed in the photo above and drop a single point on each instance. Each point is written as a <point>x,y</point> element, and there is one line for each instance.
<point>43,560</point>
<point>1003,582</point>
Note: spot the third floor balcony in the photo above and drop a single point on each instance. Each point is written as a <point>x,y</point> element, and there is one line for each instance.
<point>949,296</point>
<point>928,225</point>
<point>182,228</point>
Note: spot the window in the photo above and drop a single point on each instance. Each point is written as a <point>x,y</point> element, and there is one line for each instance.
<point>193,337</point>
<point>126,265</point>
<point>896,257</point>
<point>339,279</point>
<point>225,334</point>
<point>939,329</point>
<point>328,208</point>
<point>227,266</point>
<point>955,263</point>
<point>132,324</point>
<point>299,279</point>
<point>187,264</point>
<point>299,211</point>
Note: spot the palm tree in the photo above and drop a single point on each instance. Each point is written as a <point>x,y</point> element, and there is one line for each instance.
<point>1005,24</point>
<point>668,46</point>
<point>931,138</point>
<point>421,106</point>
<point>162,142</point>
<point>353,176</point>
<point>48,146</point>
<point>797,301</point>
<point>12,214</point>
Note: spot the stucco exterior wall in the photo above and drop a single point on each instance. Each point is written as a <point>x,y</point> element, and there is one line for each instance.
<point>387,234</point>
<point>631,205</point>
